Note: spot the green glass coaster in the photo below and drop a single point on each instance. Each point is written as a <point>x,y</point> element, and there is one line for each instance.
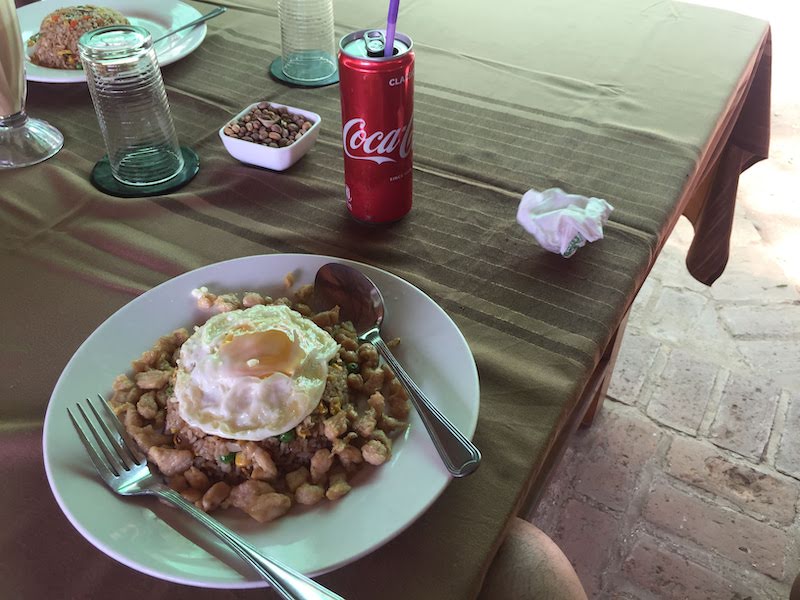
<point>103,179</point>
<point>276,70</point>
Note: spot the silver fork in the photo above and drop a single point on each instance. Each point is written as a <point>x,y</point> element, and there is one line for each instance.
<point>120,463</point>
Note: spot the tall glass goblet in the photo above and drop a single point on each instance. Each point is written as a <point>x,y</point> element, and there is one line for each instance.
<point>23,141</point>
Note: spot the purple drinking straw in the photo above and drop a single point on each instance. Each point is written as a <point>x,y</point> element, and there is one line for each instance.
<point>391,25</point>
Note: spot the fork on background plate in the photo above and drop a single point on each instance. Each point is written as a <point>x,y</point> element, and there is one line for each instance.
<point>121,464</point>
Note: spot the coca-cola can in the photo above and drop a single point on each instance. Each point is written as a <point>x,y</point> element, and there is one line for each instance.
<point>377,95</point>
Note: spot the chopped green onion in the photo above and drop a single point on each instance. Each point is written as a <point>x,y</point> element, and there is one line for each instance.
<point>228,458</point>
<point>353,368</point>
<point>287,436</point>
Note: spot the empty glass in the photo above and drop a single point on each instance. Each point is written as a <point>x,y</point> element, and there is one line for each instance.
<point>131,104</point>
<point>308,48</point>
<point>23,141</point>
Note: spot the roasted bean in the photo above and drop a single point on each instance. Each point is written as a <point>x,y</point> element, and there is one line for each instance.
<point>269,125</point>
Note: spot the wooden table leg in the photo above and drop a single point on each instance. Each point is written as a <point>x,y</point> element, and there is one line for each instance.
<point>606,366</point>
<point>587,407</point>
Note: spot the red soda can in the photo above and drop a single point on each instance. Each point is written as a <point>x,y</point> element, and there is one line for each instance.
<point>377,95</point>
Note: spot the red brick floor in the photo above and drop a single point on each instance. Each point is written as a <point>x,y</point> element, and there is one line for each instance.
<point>686,486</point>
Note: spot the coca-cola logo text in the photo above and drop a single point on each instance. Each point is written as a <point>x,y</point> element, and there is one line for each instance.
<point>379,147</point>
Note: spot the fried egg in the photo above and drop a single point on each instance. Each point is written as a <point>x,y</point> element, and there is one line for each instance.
<point>253,373</point>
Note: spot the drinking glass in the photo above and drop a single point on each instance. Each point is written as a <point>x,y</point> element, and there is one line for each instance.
<point>308,48</point>
<point>131,104</point>
<point>23,140</point>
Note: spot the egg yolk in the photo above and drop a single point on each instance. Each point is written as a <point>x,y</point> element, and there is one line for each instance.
<point>261,354</point>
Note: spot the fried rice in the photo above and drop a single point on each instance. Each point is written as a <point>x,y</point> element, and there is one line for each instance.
<point>56,44</point>
<point>362,408</point>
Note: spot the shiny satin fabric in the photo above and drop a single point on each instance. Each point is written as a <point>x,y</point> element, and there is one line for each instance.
<point>655,107</point>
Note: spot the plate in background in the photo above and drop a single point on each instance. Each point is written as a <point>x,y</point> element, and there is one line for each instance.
<point>155,16</point>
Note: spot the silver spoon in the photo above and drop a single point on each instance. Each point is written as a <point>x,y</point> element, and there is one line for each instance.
<point>214,13</point>
<point>360,301</point>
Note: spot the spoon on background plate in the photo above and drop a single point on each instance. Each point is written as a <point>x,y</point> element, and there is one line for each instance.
<point>360,301</point>
<point>214,13</point>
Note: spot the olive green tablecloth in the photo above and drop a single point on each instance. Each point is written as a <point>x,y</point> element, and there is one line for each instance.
<point>654,106</point>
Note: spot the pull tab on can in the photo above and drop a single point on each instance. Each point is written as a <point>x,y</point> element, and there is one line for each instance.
<point>375,43</point>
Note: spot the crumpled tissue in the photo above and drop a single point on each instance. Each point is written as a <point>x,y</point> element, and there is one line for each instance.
<point>562,222</point>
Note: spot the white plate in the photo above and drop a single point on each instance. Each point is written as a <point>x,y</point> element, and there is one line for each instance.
<point>146,536</point>
<point>157,16</point>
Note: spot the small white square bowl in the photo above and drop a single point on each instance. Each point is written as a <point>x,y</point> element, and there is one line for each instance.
<point>277,159</point>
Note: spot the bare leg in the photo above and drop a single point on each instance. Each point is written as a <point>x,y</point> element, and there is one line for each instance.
<point>530,566</point>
